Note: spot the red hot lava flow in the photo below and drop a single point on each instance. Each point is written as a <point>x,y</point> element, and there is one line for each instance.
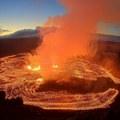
<point>72,37</point>
<point>19,80</point>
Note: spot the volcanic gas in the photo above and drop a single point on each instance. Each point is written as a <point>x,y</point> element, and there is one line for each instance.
<point>73,31</point>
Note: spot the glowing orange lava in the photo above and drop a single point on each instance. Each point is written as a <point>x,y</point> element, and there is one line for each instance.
<point>40,80</point>
<point>55,66</point>
<point>17,81</point>
<point>33,69</point>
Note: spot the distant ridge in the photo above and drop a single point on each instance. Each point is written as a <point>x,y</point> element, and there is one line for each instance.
<point>109,38</point>
<point>28,40</point>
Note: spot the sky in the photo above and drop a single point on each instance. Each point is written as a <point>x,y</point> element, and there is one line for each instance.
<point>27,14</point>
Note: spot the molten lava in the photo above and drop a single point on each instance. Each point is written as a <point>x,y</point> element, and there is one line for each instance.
<point>40,80</point>
<point>33,69</point>
<point>17,81</point>
<point>55,66</point>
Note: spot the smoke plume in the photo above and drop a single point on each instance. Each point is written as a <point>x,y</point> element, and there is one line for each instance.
<point>75,28</point>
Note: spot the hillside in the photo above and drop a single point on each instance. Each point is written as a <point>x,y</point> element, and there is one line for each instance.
<point>12,46</point>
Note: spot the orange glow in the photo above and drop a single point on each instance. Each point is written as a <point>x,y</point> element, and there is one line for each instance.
<point>55,66</point>
<point>29,67</point>
<point>40,80</point>
<point>31,86</point>
<point>33,69</point>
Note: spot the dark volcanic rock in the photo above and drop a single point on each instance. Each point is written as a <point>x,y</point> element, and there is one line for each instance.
<point>2,97</point>
<point>12,46</point>
<point>76,85</point>
<point>24,112</point>
<point>10,102</point>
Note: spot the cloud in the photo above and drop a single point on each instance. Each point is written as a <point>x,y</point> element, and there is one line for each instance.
<point>23,33</point>
<point>37,32</point>
<point>3,31</point>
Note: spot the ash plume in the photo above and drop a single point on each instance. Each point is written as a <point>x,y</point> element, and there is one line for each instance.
<point>73,36</point>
